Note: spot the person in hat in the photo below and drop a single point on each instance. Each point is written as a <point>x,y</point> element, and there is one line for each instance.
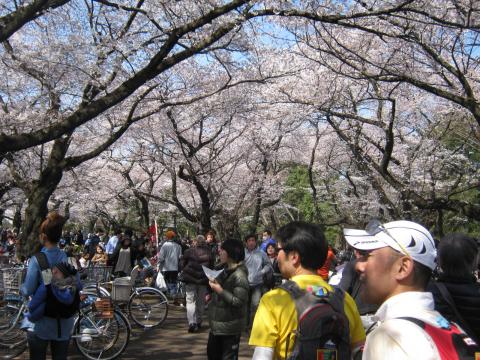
<point>395,265</point>
<point>168,261</point>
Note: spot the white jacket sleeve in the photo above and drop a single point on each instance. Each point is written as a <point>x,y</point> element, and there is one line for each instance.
<point>262,353</point>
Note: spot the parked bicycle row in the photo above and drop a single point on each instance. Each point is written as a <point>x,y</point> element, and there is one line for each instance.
<point>48,300</point>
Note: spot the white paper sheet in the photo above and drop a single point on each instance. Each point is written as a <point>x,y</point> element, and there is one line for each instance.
<point>211,274</point>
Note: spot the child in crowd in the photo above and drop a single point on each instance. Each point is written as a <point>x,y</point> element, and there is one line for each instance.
<point>100,258</point>
<point>85,260</point>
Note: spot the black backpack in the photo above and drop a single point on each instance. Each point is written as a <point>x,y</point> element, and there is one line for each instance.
<point>53,307</point>
<point>323,328</point>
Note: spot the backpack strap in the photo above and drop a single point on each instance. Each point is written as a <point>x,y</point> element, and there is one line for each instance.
<point>337,299</point>
<point>416,321</point>
<point>42,261</point>
<point>45,269</point>
<point>292,288</point>
<point>301,301</point>
<point>300,306</point>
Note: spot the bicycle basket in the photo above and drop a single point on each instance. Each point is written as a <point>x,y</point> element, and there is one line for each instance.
<point>121,289</point>
<point>12,279</point>
<point>97,274</point>
<point>104,308</point>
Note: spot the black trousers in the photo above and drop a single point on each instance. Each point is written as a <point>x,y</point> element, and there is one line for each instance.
<point>38,348</point>
<point>223,347</point>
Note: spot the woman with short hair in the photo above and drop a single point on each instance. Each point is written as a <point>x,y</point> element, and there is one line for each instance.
<point>228,309</point>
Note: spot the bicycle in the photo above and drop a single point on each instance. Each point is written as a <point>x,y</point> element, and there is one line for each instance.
<point>146,305</point>
<point>13,340</point>
<point>101,331</point>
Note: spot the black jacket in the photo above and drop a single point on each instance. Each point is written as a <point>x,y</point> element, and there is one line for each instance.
<point>191,263</point>
<point>466,296</point>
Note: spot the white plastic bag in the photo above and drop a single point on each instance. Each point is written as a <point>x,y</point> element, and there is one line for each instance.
<point>160,282</point>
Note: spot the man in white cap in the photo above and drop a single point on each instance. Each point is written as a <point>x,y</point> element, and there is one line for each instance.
<point>396,263</point>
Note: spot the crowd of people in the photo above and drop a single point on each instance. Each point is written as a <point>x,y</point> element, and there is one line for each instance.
<point>402,293</point>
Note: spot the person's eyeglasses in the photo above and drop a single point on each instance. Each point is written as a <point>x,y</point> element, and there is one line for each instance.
<point>281,248</point>
<point>375,226</point>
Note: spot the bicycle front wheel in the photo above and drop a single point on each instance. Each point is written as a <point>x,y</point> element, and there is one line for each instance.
<point>148,307</point>
<point>98,338</point>
<point>11,351</point>
<point>13,340</point>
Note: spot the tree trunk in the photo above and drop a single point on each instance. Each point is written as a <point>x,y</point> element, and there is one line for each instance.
<point>38,196</point>
<point>91,224</point>
<point>205,221</point>
<point>439,224</point>
<point>36,212</point>
<point>228,227</point>
<point>273,220</point>
<point>256,211</point>
<point>311,181</point>
<point>17,218</point>
<point>144,213</point>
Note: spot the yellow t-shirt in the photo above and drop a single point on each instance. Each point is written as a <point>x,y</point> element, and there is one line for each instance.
<point>276,317</point>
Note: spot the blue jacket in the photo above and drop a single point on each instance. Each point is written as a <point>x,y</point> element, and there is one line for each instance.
<point>46,328</point>
<point>36,306</point>
<point>267,242</point>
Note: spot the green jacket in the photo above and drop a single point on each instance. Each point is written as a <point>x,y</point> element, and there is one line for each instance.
<point>227,312</point>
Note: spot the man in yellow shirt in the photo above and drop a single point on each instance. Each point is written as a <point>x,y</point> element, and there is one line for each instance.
<point>302,248</point>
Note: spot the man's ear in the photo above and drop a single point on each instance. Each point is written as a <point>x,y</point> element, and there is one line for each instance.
<point>294,257</point>
<point>403,267</point>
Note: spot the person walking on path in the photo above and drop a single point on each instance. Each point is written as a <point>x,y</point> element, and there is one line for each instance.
<point>195,280</point>
<point>258,266</point>
<point>168,261</point>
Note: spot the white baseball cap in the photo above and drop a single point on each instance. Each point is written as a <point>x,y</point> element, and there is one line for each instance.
<point>407,237</point>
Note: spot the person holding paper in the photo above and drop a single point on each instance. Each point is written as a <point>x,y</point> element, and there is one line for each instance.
<point>227,311</point>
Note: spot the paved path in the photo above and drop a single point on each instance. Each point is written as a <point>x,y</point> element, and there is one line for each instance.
<point>172,341</point>
<point>169,341</point>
